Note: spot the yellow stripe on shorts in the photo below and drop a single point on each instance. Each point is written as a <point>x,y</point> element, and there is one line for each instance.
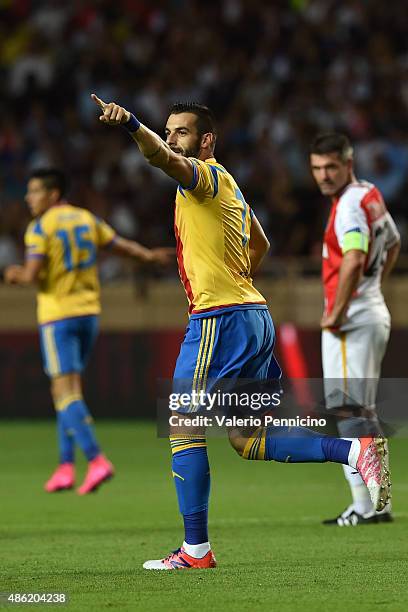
<point>210,352</point>
<point>53,363</point>
<point>200,352</point>
<point>204,358</point>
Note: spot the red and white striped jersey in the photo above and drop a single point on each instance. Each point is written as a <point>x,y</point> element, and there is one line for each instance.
<point>360,209</point>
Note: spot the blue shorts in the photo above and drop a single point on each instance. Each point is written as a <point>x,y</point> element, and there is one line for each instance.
<point>67,344</point>
<point>235,345</point>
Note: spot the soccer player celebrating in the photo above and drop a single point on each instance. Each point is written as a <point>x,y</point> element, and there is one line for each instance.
<point>61,244</point>
<point>230,335</point>
<point>361,245</point>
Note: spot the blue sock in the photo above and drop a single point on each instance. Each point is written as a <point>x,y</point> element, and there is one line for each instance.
<point>336,449</point>
<point>77,420</point>
<point>196,527</point>
<point>191,472</point>
<point>301,445</point>
<point>65,442</point>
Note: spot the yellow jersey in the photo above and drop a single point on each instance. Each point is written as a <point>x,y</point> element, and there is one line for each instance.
<point>212,225</point>
<point>67,238</point>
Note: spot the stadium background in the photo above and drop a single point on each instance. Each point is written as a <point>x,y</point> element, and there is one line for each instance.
<point>275,73</point>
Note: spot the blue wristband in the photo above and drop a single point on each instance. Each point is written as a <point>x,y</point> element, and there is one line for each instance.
<point>132,125</point>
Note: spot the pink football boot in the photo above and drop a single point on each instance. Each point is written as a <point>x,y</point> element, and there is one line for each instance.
<point>62,479</point>
<point>372,465</point>
<point>99,470</point>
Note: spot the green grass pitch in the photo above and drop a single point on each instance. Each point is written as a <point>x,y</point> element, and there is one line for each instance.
<point>272,552</point>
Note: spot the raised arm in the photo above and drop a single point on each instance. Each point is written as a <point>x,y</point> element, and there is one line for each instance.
<point>258,245</point>
<point>152,147</point>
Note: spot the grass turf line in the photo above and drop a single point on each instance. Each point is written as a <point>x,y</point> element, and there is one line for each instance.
<point>264,525</point>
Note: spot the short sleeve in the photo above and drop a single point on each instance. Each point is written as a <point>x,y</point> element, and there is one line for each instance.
<point>351,224</point>
<point>105,234</point>
<point>205,179</point>
<point>35,240</point>
<point>392,235</point>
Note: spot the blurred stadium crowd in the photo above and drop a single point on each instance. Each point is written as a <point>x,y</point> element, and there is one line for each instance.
<point>275,73</point>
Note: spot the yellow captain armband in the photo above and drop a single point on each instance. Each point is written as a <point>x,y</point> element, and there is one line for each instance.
<point>355,240</point>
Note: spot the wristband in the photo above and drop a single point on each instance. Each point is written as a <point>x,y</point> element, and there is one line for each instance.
<point>132,125</point>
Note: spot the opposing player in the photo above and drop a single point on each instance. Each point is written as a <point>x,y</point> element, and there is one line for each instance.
<point>230,335</point>
<point>361,246</point>
<point>61,259</point>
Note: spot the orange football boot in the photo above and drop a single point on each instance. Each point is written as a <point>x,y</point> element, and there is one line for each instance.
<point>180,560</point>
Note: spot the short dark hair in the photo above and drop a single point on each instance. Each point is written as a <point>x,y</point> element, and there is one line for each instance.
<point>52,179</point>
<point>205,118</point>
<point>332,142</point>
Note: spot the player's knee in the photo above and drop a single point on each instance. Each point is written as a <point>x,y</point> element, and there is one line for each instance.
<point>67,384</point>
<point>237,441</point>
<point>180,426</point>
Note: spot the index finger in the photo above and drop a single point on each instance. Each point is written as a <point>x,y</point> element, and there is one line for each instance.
<point>98,101</point>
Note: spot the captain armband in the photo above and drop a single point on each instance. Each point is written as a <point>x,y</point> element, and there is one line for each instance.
<point>355,239</point>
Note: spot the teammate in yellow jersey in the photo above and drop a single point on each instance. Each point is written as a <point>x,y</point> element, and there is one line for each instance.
<point>230,335</point>
<point>61,244</point>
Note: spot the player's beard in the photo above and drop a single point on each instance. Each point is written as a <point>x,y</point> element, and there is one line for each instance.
<point>193,151</point>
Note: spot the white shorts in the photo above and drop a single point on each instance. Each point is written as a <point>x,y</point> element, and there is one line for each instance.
<point>352,365</point>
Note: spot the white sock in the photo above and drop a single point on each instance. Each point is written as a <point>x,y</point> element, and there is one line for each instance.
<point>197,550</point>
<point>353,452</point>
<point>352,476</point>
<point>361,497</point>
